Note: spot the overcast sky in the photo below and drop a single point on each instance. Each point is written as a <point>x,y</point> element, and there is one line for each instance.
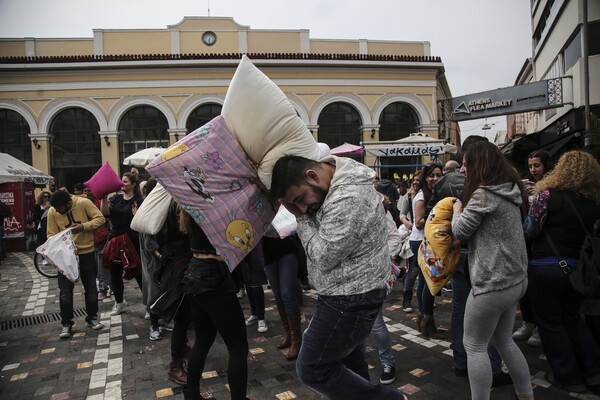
<point>482,43</point>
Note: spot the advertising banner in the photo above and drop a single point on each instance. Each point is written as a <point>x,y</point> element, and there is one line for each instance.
<point>539,95</point>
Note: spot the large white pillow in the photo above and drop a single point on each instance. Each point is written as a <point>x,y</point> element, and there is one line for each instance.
<point>264,122</point>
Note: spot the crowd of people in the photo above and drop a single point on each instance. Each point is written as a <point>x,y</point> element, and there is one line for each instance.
<point>355,237</point>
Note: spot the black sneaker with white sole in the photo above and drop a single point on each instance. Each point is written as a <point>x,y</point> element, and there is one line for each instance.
<point>95,324</point>
<point>388,375</point>
<point>66,331</point>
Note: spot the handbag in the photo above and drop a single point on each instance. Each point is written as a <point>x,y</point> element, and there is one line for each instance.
<point>585,278</point>
<point>61,250</point>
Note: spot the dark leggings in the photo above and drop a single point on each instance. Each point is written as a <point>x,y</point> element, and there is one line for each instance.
<point>212,313</point>
<point>116,282</point>
<point>183,319</point>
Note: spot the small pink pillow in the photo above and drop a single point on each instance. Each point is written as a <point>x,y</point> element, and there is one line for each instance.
<point>104,181</point>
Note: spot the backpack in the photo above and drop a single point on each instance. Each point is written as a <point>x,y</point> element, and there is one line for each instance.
<point>586,277</point>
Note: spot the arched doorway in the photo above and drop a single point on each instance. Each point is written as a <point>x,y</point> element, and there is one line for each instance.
<point>397,121</point>
<point>75,153</point>
<point>139,128</point>
<point>201,115</point>
<point>14,135</point>
<point>338,123</point>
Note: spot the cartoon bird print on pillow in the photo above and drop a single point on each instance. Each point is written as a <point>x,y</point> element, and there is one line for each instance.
<point>240,233</point>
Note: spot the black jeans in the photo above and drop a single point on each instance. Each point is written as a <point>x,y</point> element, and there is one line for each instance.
<point>87,271</point>
<point>216,309</point>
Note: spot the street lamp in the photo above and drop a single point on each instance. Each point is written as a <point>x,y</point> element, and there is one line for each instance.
<point>486,127</point>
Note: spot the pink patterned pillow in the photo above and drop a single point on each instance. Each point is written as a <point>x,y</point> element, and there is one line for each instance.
<point>208,174</point>
<point>104,181</point>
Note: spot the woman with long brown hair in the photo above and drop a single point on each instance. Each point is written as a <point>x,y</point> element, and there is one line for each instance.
<point>121,208</point>
<point>565,206</point>
<point>497,266</point>
<point>210,291</point>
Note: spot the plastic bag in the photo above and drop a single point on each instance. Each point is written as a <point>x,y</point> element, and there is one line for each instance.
<point>61,250</point>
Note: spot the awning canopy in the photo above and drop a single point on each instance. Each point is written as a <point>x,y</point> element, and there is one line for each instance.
<point>15,170</point>
<point>347,149</point>
<point>416,144</point>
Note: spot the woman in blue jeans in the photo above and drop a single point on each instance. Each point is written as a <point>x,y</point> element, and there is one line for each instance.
<point>565,206</point>
<point>281,267</point>
<point>429,176</point>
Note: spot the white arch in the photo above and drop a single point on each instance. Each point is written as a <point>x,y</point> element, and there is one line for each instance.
<point>122,106</point>
<point>52,109</point>
<point>191,104</point>
<point>415,102</point>
<point>23,111</point>
<point>356,101</point>
<point>299,106</point>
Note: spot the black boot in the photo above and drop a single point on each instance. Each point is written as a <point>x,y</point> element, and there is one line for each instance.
<point>407,302</point>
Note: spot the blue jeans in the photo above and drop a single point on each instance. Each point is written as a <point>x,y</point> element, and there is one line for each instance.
<point>568,343</point>
<point>87,272</point>
<point>283,277</point>
<point>460,293</point>
<point>103,274</point>
<point>413,269</point>
<point>384,341</point>
<point>331,360</point>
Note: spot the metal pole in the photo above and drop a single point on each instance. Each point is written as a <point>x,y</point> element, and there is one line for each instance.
<point>586,67</point>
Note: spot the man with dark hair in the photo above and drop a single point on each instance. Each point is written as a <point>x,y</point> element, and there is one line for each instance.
<point>341,223</point>
<point>78,190</point>
<point>82,217</point>
<point>388,188</point>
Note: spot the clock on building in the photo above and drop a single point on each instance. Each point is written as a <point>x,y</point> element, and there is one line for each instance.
<point>209,38</point>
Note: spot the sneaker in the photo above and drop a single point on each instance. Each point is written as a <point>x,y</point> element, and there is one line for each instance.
<point>240,294</point>
<point>388,375</point>
<point>101,296</point>
<point>147,315</point>
<point>95,324</point>
<point>534,340</point>
<point>251,320</point>
<point>66,331</point>
<point>262,326</point>
<point>155,333</point>
<point>524,332</point>
<point>169,327</point>
<point>118,308</point>
<point>447,288</point>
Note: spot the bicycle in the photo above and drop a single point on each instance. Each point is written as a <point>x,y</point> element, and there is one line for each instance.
<point>44,266</point>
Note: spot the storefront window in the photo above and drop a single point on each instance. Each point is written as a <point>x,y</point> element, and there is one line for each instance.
<point>201,115</point>
<point>339,123</point>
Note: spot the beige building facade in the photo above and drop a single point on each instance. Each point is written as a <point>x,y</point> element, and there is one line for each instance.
<point>67,105</point>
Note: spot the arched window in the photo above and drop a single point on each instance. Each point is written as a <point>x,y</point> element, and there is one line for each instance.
<point>338,123</point>
<point>141,127</point>
<point>397,121</point>
<point>14,135</point>
<point>75,150</point>
<point>201,115</point>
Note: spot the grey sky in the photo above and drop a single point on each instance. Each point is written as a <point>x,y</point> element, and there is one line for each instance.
<point>482,43</point>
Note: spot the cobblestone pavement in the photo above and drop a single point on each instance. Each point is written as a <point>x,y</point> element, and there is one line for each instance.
<point>120,362</point>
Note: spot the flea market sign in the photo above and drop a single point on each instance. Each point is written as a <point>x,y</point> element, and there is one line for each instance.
<point>529,97</point>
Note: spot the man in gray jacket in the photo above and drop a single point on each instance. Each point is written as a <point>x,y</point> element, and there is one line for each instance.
<point>341,224</point>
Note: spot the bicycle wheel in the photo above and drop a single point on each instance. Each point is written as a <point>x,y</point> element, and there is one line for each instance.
<point>44,266</point>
